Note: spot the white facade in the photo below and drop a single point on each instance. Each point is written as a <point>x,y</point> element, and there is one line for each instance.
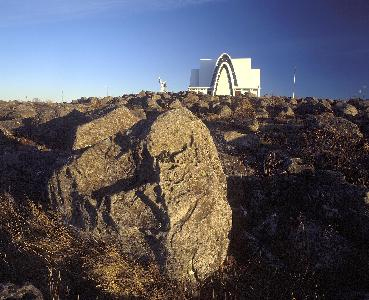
<point>225,76</point>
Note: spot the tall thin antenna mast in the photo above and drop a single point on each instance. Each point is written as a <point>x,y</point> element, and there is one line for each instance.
<point>62,96</point>
<point>294,83</point>
<point>364,88</point>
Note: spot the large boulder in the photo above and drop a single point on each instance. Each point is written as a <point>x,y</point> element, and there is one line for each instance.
<point>27,291</point>
<point>91,133</point>
<point>284,111</point>
<point>161,189</point>
<point>242,141</point>
<point>313,108</point>
<point>344,109</point>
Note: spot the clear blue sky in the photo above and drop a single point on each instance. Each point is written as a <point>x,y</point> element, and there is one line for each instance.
<point>47,46</point>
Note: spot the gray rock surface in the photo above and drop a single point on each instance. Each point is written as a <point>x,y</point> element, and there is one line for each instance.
<point>160,188</point>
<point>242,141</point>
<point>313,108</point>
<point>224,111</point>
<point>118,120</point>
<point>345,109</point>
<point>28,291</point>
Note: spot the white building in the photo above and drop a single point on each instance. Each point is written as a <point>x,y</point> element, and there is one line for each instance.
<point>225,76</point>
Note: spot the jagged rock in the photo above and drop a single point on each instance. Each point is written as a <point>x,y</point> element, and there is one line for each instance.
<point>191,99</point>
<point>339,126</point>
<point>99,129</point>
<point>139,113</point>
<point>293,101</point>
<point>345,109</point>
<point>350,110</point>
<point>204,105</point>
<point>252,125</point>
<point>243,141</point>
<point>156,97</point>
<point>285,111</point>
<point>310,99</point>
<point>261,113</point>
<point>22,111</point>
<point>152,102</point>
<point>231,136</point>
<point>313,108</point>
<point>160,187</point>
<point>297,165</point>
<point>200,107</point>
<point>313,217</point>
<point>224,111</point>
<point>175,104</point>
<point>142,94</point>
<point>366,198</point>
<point>359,103</point>
<point>28,291</point>
<point>167,95</point>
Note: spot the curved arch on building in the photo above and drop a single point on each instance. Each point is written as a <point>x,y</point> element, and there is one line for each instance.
<point>224,62</point>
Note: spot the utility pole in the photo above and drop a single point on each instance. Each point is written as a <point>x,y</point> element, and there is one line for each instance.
<point>294,83</point>
<point>364,88</point>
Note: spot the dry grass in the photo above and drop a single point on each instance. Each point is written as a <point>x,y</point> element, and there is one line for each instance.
<point>118,276</point>
<point>31,229</point>
<point>66,257</point>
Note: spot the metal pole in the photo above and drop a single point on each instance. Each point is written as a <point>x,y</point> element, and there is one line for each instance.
<point>294,83</point>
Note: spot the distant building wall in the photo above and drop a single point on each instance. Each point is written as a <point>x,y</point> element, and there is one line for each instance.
<point>194,81</point>
<point>225,76</point>
<point>242,67</point>
<point>206,72</point>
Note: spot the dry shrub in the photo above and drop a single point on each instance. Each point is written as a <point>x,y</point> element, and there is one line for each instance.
<point>118,276</point>
<point>64,254</point>
<point>31,229</point>
<point>38,246</point>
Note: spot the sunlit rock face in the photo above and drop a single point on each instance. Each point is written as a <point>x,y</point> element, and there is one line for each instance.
<point>160,188</point>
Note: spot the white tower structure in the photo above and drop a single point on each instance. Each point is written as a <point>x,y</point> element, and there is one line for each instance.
<point>294,83</point>
<point>163,86</point>
<point>225,76</point>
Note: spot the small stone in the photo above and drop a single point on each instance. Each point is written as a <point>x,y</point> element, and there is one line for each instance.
<point>224,111</point>
<point>252,125</point>
<point>366,198</point>
<point>240,140</point>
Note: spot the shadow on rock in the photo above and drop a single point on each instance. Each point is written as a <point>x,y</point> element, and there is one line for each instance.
<point>25,168</point>
<point>58,133</point>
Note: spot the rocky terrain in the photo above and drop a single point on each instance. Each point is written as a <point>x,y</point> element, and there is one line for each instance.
<point>181,196</point>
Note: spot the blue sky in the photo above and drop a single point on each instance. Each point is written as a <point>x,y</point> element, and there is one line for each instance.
<point>83,46</point>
